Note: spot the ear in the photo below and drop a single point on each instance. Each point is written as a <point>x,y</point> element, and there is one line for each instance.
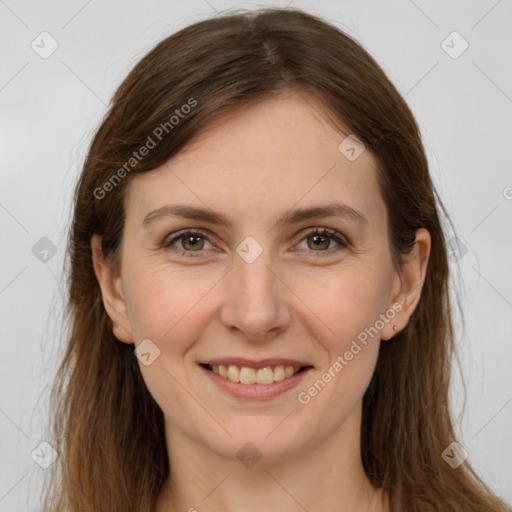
<point>408,283</point>
<point>111,292</point>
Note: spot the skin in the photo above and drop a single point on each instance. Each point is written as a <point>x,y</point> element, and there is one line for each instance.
<point>298,299</point>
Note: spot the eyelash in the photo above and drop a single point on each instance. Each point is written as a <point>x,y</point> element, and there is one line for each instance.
<point>325,232</point>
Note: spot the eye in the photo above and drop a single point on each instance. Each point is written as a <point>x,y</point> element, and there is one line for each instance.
<point>320,239</point>
<point>191,241</point>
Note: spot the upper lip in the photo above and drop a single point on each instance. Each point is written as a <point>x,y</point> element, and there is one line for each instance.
<point>253,363</point>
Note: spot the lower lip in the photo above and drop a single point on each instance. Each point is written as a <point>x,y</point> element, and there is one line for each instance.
<point>256,391</point>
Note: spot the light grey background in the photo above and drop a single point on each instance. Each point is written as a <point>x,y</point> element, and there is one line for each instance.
<point>50,107</point>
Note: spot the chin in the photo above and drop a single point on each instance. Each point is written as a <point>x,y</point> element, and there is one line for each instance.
<point>264,438</point>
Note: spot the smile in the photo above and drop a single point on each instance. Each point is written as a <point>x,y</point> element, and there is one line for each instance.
<point>248,375</point>
<point>255,380</point>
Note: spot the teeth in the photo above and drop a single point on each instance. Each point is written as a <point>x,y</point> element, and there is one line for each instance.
<point>233,373</point>
<point>246,375</point>
<point>279,373</point>
<point>264,376</point>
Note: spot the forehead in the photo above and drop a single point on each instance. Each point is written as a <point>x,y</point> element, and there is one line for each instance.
<point>260,161</point>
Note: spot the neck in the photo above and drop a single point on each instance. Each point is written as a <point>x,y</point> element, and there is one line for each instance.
<point>329,476</point>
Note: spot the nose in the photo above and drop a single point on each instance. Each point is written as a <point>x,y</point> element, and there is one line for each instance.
<point>256,304</point>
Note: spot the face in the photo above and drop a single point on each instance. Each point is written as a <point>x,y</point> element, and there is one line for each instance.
<point>273,286</point>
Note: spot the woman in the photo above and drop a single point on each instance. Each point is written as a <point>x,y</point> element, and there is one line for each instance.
<point>260,316</point>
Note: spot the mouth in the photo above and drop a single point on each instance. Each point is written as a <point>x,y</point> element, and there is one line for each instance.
<point>257,380</point>
<point>254,375</point>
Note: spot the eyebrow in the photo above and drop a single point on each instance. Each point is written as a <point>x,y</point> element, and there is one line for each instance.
<point>288,218</point>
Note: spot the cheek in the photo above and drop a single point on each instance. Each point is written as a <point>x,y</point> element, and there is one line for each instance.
<point>168,305</point>
<point>164,305</point>
<point>348,302</point>
<point>169,309</point>
<point>354,310</point>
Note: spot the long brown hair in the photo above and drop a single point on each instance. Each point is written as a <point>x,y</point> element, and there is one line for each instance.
<point>107,429</point>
